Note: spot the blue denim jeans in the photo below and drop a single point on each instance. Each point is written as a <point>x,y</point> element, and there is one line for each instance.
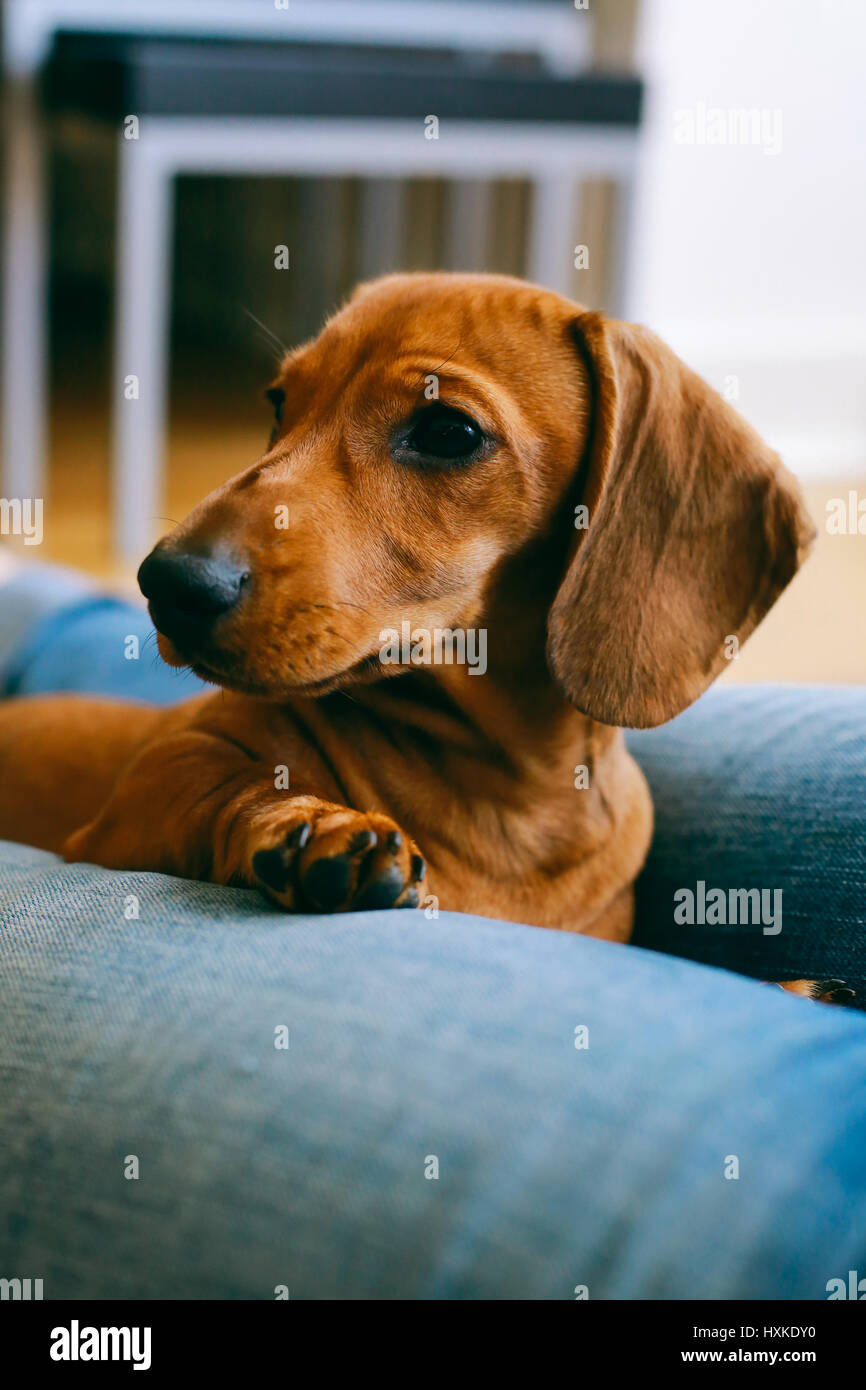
<point>754,787</point>
<point>204,1098</point>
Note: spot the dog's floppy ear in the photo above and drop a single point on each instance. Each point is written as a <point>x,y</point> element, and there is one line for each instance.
<point>694,528</point>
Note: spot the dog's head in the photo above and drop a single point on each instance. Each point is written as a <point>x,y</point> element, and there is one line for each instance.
<point>448,437</point>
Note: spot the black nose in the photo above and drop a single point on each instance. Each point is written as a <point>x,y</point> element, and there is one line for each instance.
<point>185,589</point>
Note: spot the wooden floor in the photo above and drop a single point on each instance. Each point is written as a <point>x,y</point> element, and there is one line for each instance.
<point>817,631</point>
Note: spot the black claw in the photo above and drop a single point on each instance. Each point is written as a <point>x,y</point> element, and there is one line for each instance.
<point>297,838</point>
<point>382,891</point>
<point>395,840</point>
<point>365,839</point>
<point>326,882</point>
<point>419,868</point>
<point>272,867</point>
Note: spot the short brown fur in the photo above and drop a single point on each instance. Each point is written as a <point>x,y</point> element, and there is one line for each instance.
<point>694,529</point>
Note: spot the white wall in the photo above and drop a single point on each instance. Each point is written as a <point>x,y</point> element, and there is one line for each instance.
<point>753,264</point>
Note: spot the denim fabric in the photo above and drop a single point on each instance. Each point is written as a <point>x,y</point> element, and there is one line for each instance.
<point>754,787</point>
<point>762,786</point>
<point>58,634</point>
<point>34,592</point>
<point>138,1018</point>
<point>409,1040</point>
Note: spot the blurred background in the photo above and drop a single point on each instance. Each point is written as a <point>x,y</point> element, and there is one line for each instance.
<point>190,184</point>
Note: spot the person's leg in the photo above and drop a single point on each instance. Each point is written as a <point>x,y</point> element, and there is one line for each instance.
<point>465,1109</point>
<point>87,665</point>
<point>28,593</point>
<point>758,795</point>
<point>59,632</point>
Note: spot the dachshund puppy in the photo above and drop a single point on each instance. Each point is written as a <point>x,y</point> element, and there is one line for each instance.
<point>460,456</point>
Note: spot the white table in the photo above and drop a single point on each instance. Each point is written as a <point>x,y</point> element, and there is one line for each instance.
<point>473,150</point>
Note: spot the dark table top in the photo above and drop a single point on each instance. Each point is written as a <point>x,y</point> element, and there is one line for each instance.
<point>112,75</point>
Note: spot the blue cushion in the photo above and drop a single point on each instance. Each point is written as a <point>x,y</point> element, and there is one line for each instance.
<point>754,786</point>
<point>762,787</point>
<point>415,1047</point>
<point>53,637</point>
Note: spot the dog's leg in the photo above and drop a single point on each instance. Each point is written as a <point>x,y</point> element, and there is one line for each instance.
<point>60,756</point>
<point>314,854</point>
<point>826,991</point>
<point>199,806</point>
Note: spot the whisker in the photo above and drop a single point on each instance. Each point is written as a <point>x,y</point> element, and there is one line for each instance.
<point>344,603</point>
<point>451,354</point>
<point>269,334</point>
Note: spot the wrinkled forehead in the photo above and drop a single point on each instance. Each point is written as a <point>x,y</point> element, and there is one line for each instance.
<point>479,337</point>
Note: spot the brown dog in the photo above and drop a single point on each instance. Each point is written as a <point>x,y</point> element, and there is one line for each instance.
<point>453,452</point>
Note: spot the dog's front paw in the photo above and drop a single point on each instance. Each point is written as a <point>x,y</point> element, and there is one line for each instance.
<point>825,991</point>
<point>336,860</point>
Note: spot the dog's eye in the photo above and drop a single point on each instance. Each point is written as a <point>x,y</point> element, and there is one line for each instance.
<point>444,433</point>
<point>277,397</point>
